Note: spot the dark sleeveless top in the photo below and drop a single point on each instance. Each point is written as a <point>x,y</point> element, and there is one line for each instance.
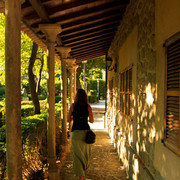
<point>80,117</point>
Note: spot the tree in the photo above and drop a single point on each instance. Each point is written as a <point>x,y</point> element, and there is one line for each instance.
<point>94,69</point>
<point>32,84</point>
<point>2,49</point>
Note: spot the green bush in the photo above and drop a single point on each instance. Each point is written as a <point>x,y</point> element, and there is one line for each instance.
<point>57,99</point>
<point>41,97</point>
<point>2,113</point>
<point>2,90</point>
<point>92,88</point>
<point>43,87</point>
<point>92,99</point>
<point>34,139</point>
<point>26,102</point>
<point>27,110</point>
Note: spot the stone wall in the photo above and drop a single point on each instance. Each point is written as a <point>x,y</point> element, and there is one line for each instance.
<point>138,156</point>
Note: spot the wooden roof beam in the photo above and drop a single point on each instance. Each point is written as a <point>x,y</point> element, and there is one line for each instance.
<point>74,32</point>
<point>93,40</point>
<point>92,19</point>
<point>87,12</point>
<point>98,35</point>
<point>76,4</point>
<point>106,41</point>
<point>90,49</point>
<point>36,4</point>
<point>93,53</point>
<point>40,10</point>
<point>89,33</point>
<point>92,35</point>
<point>61,7</point>
<point>84,58</point>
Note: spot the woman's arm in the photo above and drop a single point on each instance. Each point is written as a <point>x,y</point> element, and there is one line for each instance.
<point>70,113</point>
<point>91,118</point>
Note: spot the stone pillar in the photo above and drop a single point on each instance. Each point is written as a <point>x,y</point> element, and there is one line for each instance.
<point>51,31</point>
<point>75,69</point>
<point>70,62</point>
<point>64,51</point>
<point>13,89</point>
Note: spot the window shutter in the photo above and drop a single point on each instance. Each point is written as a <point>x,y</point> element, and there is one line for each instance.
<point>126,92</point>
<point>172,121</point>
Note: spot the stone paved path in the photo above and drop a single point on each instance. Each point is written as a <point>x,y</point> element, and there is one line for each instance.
<point>104,163</point>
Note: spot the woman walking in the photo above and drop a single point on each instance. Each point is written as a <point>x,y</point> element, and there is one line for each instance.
<point>79,112</point>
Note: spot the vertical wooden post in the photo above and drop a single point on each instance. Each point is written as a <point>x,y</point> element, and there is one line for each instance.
<point>13,89</point>
<point>64,51</point>
<point>51,31</point>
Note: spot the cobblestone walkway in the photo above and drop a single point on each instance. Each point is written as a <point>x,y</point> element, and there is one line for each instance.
<point>104,163</point>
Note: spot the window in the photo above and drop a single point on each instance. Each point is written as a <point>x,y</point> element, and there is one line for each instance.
<point>126,92</point>
<point>172,94</point>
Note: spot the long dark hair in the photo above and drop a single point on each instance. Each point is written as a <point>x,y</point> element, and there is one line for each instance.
<point>81,97</point>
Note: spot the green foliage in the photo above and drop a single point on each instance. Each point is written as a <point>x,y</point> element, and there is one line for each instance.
<point>27,110</point>
<point>2,113</point>
<point>2,49</point>
<point>57,87</point>
<point>57,99</point>
<point>93,69</point>
<point>92,88</point>
<point>102,89</point>
<point>92,98</point>
<point>2,90</point>
<point>43,87</point>
<point>34,138</point>
<point>41,97</point>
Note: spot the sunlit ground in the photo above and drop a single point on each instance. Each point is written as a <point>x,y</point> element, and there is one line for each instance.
<point>98,112</point>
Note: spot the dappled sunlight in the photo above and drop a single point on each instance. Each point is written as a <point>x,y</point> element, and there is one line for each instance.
<point>137,132</point>
<point>134,137</point>
<point>135,167</point>
<point>152,133</point>
<point>149,94</point>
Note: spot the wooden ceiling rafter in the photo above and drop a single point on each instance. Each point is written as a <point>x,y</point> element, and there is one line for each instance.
<point>91,19</point>
<point>100,43</point>
<point>83,28</point>
<point>89,57</point>
<point>90,51</point>
<point>91,33</point>
<point>92,41</point>
<point>60,7</point>
<point>40,10</point>
<point>98,35</point>
<point>85,13</point>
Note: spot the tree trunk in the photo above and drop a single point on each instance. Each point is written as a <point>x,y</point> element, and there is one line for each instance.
<point>40,74</point>
<point>32,83</point>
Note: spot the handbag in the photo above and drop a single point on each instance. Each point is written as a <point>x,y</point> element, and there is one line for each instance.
<point>90,137</point>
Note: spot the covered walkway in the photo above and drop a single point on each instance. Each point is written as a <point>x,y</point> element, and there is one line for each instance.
<point>104,162</point>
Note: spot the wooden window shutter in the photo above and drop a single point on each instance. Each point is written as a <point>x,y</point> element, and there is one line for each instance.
<point>172,115</point>
<point>126,92</point>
